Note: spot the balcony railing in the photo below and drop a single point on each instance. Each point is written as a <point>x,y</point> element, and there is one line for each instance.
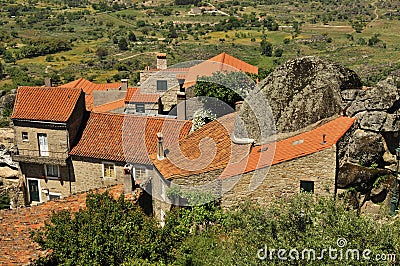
<point>35,156</point>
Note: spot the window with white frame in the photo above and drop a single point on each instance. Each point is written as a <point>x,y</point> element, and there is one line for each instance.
<point>108,170</point>
<point>25,136</point>
<point>52,171</point>
<point>140,173</point>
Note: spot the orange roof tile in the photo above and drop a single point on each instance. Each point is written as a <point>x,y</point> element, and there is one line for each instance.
<point>291,148</point>
<point>133,95</point>
<point>127,138</point>
<point>228,60</point>
<point>207,149</point>
<point>227,153</point>
<point>107,107</point>
<point>88,87</point>
<point>45,103</point>
<point>219,63</point>
<point>129,93</point>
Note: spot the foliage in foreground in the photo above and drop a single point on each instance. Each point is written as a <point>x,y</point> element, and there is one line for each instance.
<point>114,232</point>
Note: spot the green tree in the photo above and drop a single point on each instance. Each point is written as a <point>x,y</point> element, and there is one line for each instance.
<point>123,44</point>
<point>132,36</point>
<point>266,47</point>
<point>226,86</point>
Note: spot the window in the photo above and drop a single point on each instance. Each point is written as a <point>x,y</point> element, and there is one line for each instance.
<point>52,171</point>
<point>161,85</point>
<point>108,170</point>
<point>54,196</point>
<point>140,108</point>
<point>307,186</point>
<point>140,173</point>
<point>25,136</point>
<point>43,145</point>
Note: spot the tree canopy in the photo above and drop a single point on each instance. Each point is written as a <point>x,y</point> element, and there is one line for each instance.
<point>115,232</point>
<point>228,87</point>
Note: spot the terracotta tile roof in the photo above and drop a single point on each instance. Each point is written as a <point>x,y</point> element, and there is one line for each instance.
<point>45,103</point>
<point>133,95</point>
<point>291,148</point>
<point>107,107</point>
<point>218,63</point>
<point>227,154</point>
<point>88,87</point>
<point>208,148</point>
<point>127,138</point>
<point>228,60</point>
<point>17,248</point>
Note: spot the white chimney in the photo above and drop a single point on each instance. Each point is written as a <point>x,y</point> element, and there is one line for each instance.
<point>161,61</point>
<point>181,105</point>
<point>47,82</point>
<point>160,146</point>
<point>124,84</point>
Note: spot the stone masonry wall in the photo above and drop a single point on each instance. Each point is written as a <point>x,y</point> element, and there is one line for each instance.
<point>89,174</point>
<point>265,185</point>
<point>283,180</point>
<point>57,141</point>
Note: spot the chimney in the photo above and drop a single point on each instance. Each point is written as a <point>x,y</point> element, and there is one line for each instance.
<point>181,105</point>
<point>47,82</point>
<point>181,82</point>
<point>160,146</point>
<point>161,61</point>
<point>124,84</point>
<point>238,104</point>
<point>323,139</point>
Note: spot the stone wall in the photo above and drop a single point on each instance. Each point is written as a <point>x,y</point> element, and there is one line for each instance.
<point>75,121</point>
<point>47,184</point>
<point>283,180</point>
<point>268,184</point>
<point>7,137</point>
<point>57,141</point>
<point>130,108</point>
<point>89,174</point>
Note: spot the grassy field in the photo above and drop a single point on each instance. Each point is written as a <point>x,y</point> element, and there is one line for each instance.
<point>321,33</point>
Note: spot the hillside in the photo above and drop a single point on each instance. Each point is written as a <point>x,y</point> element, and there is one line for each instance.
<point>108,41</point>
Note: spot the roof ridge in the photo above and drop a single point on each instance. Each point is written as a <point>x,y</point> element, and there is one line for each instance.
<point>138,116</point>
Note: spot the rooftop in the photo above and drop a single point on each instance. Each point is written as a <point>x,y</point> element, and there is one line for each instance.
<point>88,87</point>
<point>17,248</point>
<point>219,63</point>
<point>127,138</point>
<point>108,107</point>
<point>45,103</point>
<point>133,95</point>
<point>238,159</point>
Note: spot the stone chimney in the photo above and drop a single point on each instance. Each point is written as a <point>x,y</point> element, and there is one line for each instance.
<point>124,84</point>
<point>161,61</point>
<point>47,82</point>
<point>160,146</point>
<point>238,104</point>
<point>181,105</point>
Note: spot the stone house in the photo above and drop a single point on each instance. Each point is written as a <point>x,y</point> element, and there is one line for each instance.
<point>100,94</point>
<point>114,149</point>
<point>208,160</point>
<point>139,103</point>
<point>47,122</point>
<point>176,83</point>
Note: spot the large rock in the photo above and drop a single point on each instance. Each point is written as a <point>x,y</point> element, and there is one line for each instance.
<point>366,148</point>
<point>304,91</point>
<point>7,172</point>
<point>359,177</point>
